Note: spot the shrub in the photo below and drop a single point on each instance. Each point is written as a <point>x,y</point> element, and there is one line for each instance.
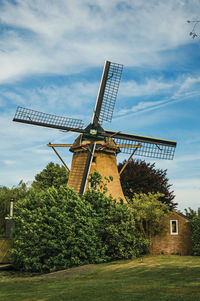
<point>149,213</point>
<point>52,230</point>
<point>57,229</point>
<point>115,227</point>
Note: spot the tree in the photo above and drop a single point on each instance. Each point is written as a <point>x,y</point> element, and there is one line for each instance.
<point>115,227</point>
<point>149,213</point>
<point>191,213</point>
<point>6,195</point>
<point>52,175</point>
<point>58,228</point>
<point>142,177</point>
<point>52,230</point>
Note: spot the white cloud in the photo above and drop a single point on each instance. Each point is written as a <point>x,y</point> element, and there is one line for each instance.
<point>180,89</point>
<point>69,99</point>
<point>67,36</point>
<point>150,86</point>
<point>9,162</point>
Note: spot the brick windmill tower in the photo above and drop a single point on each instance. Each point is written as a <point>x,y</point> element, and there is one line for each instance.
<point>96,148</point>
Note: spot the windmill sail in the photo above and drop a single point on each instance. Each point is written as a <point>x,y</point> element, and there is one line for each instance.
<point>150,147</point>
<point>29,116</point>
<point>107,93</point>
<point>104,108</point>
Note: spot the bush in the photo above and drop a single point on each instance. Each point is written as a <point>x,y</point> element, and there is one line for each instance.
<point>57,229</point>
<point>115,227</point>
<point>149,213</point>
<point>53,230</point>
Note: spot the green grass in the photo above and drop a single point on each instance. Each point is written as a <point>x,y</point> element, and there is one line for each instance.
<point>155,278</point>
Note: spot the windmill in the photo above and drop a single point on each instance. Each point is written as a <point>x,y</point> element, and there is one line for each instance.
<point>95,147</point>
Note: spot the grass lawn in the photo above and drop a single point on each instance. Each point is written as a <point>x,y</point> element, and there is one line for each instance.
<point>155,278</point>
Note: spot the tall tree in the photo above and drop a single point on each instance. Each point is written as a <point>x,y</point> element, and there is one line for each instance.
<point>52,175</point>
<point>191,213</point>
<point>142,177</point>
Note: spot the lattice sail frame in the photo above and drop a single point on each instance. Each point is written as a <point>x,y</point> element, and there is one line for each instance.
<point>146,149</point>
<point>25,115</point>
<point>110,92</point>
<point>127,143</point>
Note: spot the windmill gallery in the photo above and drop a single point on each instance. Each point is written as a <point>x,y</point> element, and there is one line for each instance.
<point>96,148</point>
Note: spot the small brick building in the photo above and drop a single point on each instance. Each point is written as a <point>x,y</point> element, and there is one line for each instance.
<point>175,238</point>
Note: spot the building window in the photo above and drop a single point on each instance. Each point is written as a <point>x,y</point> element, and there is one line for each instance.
<point>174,227</point>
<point>94,159</point>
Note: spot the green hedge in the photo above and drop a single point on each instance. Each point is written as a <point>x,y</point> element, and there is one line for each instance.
<point>195,227</point>
<point>57,228</point>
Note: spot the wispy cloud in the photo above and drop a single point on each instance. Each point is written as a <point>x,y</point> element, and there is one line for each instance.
<point>180,89</point>
<point>69,98</point>
<point>66,36</point>
<point>40,40</point>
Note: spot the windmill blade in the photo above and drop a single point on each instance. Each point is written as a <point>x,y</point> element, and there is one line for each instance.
<point>29,116</point>
<point>150,147</point>
<point>91,150</point>
<point>107,93</point>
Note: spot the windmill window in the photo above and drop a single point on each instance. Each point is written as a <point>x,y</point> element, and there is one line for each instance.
<point>94,159</point>
<point>174,227</point>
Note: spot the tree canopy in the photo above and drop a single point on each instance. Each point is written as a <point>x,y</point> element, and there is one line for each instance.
<point>149,213</point>
<point>142,177</point>
<point>191,213</point>
<point>58,228</point>
<point>52,175</point>
<point>194,217</point>
<point>6,195</point>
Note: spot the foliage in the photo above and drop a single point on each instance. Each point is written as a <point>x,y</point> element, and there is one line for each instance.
<point>142,177</point>
<point>149,213</point>
<point>6,195</point>
<point>53,230</point>
<point>115,227</point>
<point>97,183</point>
<point>57,228</point>
<point>194,217</point>
<point>191,213</point>
<point>52,175</point>
<point>195,227</point>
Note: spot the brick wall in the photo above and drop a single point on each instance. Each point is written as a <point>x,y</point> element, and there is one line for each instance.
<point>106,165</point>
<point>166,243</point>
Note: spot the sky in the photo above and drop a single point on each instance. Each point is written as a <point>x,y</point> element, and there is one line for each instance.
<point>51,59</point>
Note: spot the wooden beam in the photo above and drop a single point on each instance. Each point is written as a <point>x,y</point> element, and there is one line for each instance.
<point>127,162</point>
<point>59,156</point>
<point>59,145</point>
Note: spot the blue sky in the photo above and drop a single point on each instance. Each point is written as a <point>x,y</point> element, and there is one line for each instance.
<point>51,59</point>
